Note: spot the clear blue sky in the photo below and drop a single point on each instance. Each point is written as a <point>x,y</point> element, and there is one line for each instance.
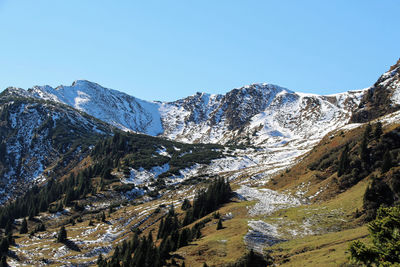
<point>165,50</point>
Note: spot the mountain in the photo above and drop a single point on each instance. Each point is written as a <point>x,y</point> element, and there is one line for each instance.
<point>382,98</point>
<point>256,114</point>
<point>302,180</point>
<point>40,139</point>
<point>114,107</point>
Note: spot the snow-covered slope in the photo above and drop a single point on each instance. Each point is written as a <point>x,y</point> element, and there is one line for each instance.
<point>117,108</point>
<point>255,114</point>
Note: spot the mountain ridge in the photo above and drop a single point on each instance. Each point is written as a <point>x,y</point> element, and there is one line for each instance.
<point>201,117</point>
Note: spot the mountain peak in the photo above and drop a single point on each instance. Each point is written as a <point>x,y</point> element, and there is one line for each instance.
<point>83,83</point>
<point>265,87</point>
<point>15,91</point>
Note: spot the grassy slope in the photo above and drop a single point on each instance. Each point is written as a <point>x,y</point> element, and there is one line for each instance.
<point>331,215</point>
<point>322,250</point>
<point>217,247</point>
<point>337,227</point>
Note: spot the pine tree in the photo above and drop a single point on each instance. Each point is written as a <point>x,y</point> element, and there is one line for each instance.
<point>219,225</point>
<point>343,161</point>
<point>62,235</point>
<point>385,240</point>
<point>9,226</point>
<point>100,260</point>
<point>368,130</point>
<point>24,227</point>
<point>387,162</point>
<point>110,209</point>
<point>378,130</point>
<point>103,217</point>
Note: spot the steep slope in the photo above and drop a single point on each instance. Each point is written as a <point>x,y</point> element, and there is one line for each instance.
<point>114,107</point>
<point>382,98</point>
<point>36,136</point>
<point>256,114</point>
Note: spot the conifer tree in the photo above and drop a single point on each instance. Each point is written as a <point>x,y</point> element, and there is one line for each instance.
<point>385,240</point>
<point>62,235</point>
<point>364,152</point>
<point>343,161</point>
<point>24,227</point>
<point>387,162</point>
<point>219,225</point>
<point>368,130</point>
<point>378,130</point>
<point>100,260</point>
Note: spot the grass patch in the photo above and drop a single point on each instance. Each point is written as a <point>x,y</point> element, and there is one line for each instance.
<point>217,247</point>
<point>322,250</point>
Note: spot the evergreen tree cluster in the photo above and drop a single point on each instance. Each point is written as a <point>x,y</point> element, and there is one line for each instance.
<point>373,152</point>
<point>40,199</point>
<point>374,155</point>
<point>168,225</point>
<point>173,233</point>
<point>205,202</point>
<point>138,252</point>
<point>140,151</point>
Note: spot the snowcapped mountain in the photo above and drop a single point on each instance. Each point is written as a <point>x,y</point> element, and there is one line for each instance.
<point>38,137</point>
<point>117,108</point>
<point>42,125</point>
<point>254,114</point>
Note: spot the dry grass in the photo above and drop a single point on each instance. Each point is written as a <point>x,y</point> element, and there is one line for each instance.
<point>217,247</point>
<point>323,250</point>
